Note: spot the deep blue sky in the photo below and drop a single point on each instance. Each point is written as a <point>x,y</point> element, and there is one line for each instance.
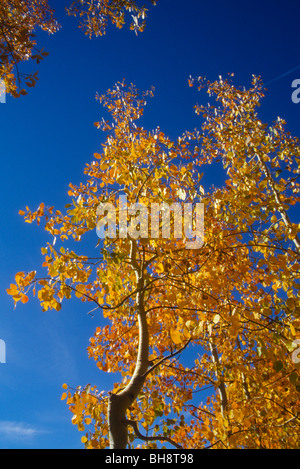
<point>48,136</point>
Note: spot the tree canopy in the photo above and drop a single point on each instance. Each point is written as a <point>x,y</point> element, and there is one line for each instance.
<point>19,20</point>
<point>205,337</point>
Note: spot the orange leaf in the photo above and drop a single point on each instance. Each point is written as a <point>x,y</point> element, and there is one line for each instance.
<point>175,336</point>
<point>24,299</point>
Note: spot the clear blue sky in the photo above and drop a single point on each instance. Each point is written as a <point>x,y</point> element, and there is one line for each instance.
<point>48,136</point>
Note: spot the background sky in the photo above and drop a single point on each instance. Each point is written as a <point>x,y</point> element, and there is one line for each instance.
<point>48,136</point>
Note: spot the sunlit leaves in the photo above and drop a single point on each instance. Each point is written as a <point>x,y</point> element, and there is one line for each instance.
<point>96,15</point>
<point>18,22</point>
<point>23,283</point>
<point>222,320</point>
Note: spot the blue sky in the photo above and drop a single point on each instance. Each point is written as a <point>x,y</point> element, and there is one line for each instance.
<point>48,136</point>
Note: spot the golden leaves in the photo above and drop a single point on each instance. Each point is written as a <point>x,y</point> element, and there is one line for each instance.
<point>235,301</point>
<point>17,43</point>
<point>96,18</point>
<point>17,295</point>
<point>88,406</point>
<point>23,283</point>
<point>175,336</point>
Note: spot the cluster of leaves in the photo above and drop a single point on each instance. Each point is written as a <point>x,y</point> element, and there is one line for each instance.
<point>96,15</point>
<point>19,19</point>
<point>181,324</point>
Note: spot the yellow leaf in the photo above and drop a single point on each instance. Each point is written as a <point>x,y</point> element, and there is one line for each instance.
<point>13,290</point>
<point>19,277</point>
<point>175,336</point>
<point>216,318</point>
<point>24,299</point>
<point>199,328</point>
<point>133,150</point>
<point>65,386</point>
<point>84,439</point>
<point>181,194</point>
<point>63,396</point>
<point>293,330</point>
<point>159,268</point>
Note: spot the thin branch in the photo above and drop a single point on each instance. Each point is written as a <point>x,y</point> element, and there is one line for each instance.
<point>276,194</point>
<point>139,435</point>
<point>214,444</point>
<point>171,355</point>
<point>143,184</point>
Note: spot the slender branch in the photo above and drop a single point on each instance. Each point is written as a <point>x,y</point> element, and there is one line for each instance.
<point>221,385</point>
<point>138,434</point>
<point>143,184</point>
<point>214,444</point>
<point>11,52</point>
<point>200,409</point>
<point>281,208</point>
<point>171,355</point>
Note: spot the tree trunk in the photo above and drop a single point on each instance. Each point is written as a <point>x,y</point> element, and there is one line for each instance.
<point>280,206</point>
<point>119,403</point>
<point>221,384</point>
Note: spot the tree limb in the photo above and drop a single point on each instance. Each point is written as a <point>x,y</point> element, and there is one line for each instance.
<point>138,434</point>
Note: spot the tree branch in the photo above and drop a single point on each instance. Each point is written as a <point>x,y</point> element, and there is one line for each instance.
<point>280,207</point>
<point>119,403</point>
<point>138,434</point>
<point>171,355</point>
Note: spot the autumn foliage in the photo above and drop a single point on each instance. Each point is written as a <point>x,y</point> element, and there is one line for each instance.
<point>20,20</point>
<point>95,16</point>
<point>205,339</point>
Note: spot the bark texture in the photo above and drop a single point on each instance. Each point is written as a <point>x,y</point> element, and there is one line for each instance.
<point>119,403</point>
